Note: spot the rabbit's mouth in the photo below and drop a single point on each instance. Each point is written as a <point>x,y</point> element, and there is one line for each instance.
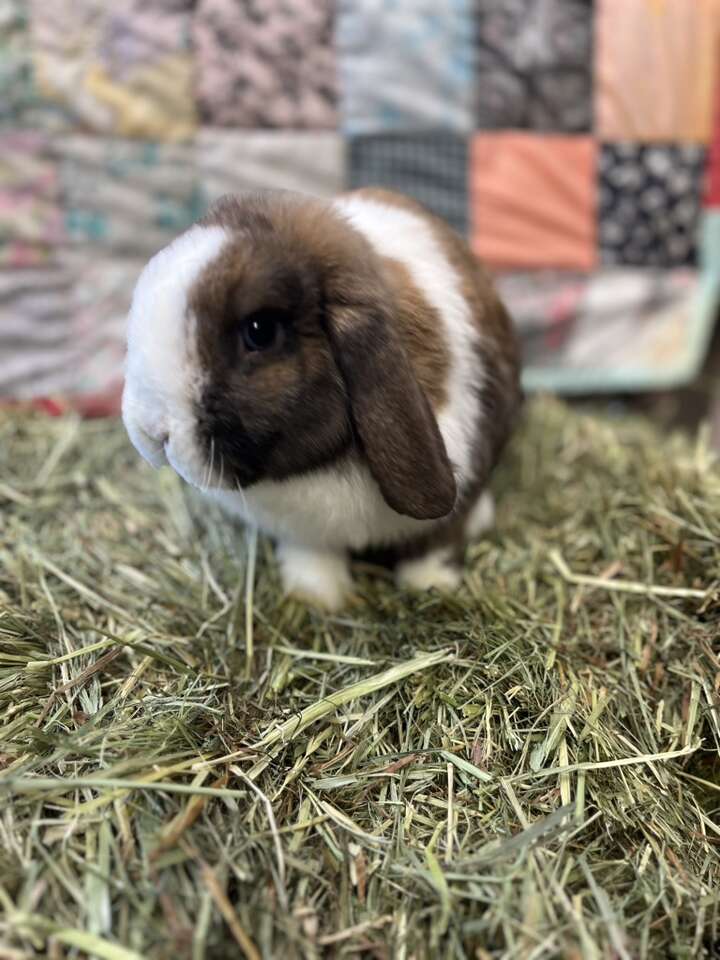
<point>150,448</point>
<point>204,470</point>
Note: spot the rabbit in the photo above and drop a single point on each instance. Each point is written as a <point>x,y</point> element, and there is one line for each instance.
<point>340,374</point>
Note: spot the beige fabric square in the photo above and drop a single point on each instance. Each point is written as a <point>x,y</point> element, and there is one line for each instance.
<point>656,65</point>
<point>230,161</point>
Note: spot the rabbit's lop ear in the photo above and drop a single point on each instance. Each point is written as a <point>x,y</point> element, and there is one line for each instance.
<point>391,415</point>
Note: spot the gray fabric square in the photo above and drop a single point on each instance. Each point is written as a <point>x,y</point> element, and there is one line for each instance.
<point>431,167</point>
<point>535,65</point>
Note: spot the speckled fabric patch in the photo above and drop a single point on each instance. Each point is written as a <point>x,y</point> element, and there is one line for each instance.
<point>265,63</point>
<point>650,198</point>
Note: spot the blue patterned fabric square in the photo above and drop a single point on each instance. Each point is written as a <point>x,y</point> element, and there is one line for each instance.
<point>406,65</point>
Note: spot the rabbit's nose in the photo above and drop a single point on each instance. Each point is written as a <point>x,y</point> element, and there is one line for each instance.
<point>147,439</point>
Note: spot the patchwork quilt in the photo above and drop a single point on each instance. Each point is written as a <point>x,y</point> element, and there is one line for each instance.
<point>575,143</point>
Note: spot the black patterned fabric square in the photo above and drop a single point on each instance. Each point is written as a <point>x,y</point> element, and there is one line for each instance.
<point>534,65</point>
<point>430,167</point>
<point>650,202</point>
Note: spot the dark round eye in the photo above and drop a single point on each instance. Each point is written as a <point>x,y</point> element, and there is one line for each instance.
<point>261,329</point>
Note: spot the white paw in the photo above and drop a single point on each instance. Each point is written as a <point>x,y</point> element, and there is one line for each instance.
<point>434,570</point>
<point>482,516</point>
<point>321,578</point>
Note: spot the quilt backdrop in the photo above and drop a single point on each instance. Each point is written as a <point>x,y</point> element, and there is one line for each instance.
<point>575,143</point>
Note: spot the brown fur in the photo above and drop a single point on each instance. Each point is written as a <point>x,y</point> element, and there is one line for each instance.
<point>420,329</point>
<point>500,397</point>
<point>350,375</point>
<point>419,326</point>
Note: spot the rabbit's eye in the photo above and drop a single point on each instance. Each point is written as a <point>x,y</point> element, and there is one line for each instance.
<point>262,329</point>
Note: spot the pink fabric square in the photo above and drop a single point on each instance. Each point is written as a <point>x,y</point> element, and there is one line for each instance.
<point>533,200</point>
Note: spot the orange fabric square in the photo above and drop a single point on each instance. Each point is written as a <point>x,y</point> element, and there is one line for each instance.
<point>656,63</point>
<point>534,200</point>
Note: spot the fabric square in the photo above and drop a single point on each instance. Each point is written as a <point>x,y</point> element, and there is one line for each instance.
<point>430,167</point>
<point>229,161</point>
<point>35,312</point>
<point>103,285</point>
<point>406,65</point>
<point>121,68</point>
<point>62,328</point>
<point>30,216</point>
<point>615,328</point>
<point>544,306</point>
<point>15,70</point>
<point>712,172</point>
<point>265,63</point>
<point>535,65</point>
<point>21,105</point>
<point>656,66</point>
<point>126,195</point>
<point>634,321</point>
<point>650,201</point>
<point>533,200</point>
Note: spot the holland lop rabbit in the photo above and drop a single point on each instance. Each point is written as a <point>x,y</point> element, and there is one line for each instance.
<point>340,374</point>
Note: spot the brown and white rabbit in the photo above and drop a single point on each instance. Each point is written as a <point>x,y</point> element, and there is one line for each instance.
<point>340,374</point>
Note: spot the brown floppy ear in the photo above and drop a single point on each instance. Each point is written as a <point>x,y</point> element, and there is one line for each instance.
<point>391,414</point>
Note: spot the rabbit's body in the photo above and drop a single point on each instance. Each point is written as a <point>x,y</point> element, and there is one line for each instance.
<point>374,417</point>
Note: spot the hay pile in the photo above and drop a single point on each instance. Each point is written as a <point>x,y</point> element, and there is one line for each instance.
<point>189,769</point>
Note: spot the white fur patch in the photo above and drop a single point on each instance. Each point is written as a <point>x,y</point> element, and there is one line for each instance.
<point>162,378</point>
<point>398,233</point>
<point>435,570</point>
<point>482,516</point>
<point>333,508</point>
<point>322,577</point>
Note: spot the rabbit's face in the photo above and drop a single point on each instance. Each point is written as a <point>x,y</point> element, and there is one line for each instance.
<point>231,378</point>
<point>272,401</point>
<point>261,347</point>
